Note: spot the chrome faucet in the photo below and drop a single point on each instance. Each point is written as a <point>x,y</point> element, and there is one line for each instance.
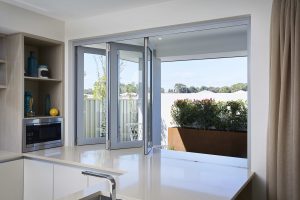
<point>113,192</point>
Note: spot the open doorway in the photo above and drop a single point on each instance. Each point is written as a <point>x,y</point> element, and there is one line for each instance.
<point>198,81</point>
<point>204,91</point>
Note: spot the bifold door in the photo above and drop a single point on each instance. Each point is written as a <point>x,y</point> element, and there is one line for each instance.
<point>122,107</point>
<point>126,99</point>
<point>91,96</point>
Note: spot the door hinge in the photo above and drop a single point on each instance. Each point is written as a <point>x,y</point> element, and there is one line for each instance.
<point>107,145</point>
<point>107,47</point>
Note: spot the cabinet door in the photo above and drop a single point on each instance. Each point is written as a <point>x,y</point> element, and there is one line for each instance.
<point>38,180</point>
<point>68,180</point>
<point>11,181</point>
<point>103,184</point>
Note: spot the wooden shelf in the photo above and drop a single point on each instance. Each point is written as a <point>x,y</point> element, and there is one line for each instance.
<point>41,79</point>
<point>41,117</point>
<point>3,74</point>
<point>3,68</point>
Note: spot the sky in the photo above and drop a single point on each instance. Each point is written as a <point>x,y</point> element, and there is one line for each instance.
<point>91,66</point>
<point>209,72</point>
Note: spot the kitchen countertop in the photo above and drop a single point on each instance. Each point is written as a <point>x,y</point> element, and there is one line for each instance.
<point>9,156</point>
<point>161,175</point>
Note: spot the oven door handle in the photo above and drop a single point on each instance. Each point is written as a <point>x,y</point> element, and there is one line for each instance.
<point>49,123</point>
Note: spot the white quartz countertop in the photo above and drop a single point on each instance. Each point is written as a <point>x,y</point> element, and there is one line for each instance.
<point>161,175</point>
<point>8,156</point>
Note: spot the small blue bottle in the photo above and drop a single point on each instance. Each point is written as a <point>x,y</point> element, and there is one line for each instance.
<point>32,65</point>
<point>47,105</point>
<point>27,98</point>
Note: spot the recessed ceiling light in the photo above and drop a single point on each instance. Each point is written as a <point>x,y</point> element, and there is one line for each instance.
<point>160,38</point>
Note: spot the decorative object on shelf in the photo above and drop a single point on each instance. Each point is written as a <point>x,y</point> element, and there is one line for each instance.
<point>43,71</point>
<point>31,113</point>
<point>27,98</point>
<point>47,105</point>
<point>32,65</point>
<point>54,112</point>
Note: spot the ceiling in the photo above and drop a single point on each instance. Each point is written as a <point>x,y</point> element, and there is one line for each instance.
<point>75,9</point>
<point>166,40</point>
<point>190,45</point>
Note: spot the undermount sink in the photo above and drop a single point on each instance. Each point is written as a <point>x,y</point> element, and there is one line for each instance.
<point>87,196</point>
<point>91,193</point>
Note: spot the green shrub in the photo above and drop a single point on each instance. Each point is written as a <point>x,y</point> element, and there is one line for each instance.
<point>183,113</point>
<point>234,115</point>
<point>206,112</point>
<point>209,114</point>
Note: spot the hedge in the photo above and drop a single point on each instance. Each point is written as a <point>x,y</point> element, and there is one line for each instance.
<point>209,114</point>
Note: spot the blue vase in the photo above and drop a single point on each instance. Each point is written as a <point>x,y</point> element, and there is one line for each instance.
<point>47,105</point>
<point>27,98</point>
<point>32,65</point>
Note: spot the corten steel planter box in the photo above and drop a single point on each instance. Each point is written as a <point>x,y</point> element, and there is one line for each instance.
<point>225,143</point>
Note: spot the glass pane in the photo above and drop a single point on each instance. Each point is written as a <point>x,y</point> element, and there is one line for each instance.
<point>130,96</point>
<point>149,106</point>
<point>94,96</point>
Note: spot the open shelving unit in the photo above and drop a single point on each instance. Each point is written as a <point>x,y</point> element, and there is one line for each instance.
<point>48,53</point>
<point>3,66</point>
<point>14,52</point>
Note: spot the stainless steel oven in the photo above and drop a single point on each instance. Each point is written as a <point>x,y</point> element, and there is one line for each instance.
<point>42,133</point>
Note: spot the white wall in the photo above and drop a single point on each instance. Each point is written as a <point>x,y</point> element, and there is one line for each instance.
<point>14,19</point>
<point>186,11</point>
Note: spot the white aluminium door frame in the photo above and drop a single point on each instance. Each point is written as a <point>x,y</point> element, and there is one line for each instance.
<point>113,140</point>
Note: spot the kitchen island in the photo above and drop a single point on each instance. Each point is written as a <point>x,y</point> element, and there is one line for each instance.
<point>163,174</point>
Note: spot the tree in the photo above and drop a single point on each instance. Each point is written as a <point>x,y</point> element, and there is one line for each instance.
<point>238,87</point>
<point>132,88</point>
<point>180,88</point>
<point>203,88</point>
<point>99,87</point>
<point>192,89</point>
<point>128,88</point>
<point>225,89</point>
<point>213,89</point>
<point>162,90</point>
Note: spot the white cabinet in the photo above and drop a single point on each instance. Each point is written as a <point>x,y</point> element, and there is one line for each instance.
<point>38,180</point>
<point>48,181</point>
<point>104,184</point>
<point>68,180</point>
<point>11,180</point>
